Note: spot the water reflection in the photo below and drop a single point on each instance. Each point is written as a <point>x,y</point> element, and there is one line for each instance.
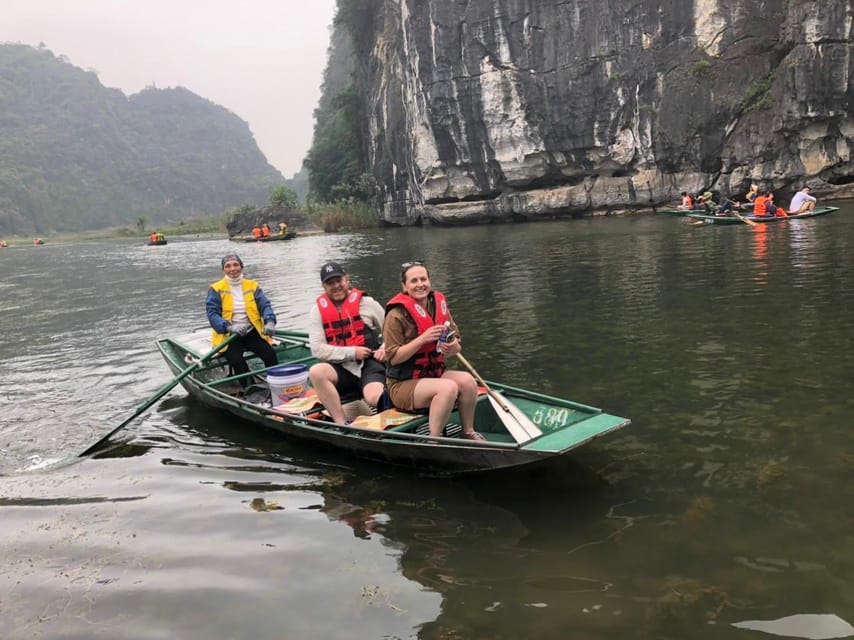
<point>760,254</point>
<point>724,501</point>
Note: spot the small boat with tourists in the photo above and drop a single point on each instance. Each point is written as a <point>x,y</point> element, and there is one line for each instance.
<point>702,218</point>
<point>156,239</point>
<point>555,426</point>
<point>271,238</point>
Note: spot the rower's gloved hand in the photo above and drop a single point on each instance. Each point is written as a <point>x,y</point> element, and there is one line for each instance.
<point>241,329</point>
<point>270,329</point>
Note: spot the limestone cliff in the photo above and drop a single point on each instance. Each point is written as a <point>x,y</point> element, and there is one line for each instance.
<point>499,110</point>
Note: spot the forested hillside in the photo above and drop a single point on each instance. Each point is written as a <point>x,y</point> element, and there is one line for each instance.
<point>75,155</point>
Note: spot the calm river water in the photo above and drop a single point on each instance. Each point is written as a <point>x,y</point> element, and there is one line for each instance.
<point>729,498</point>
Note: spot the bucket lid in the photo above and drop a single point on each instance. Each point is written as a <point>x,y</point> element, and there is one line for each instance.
<point>288,370</point>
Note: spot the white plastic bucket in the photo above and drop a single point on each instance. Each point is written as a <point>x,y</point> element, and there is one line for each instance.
<point>287,382</point>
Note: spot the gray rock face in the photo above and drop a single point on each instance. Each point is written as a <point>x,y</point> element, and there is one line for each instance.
<point>500,110</point>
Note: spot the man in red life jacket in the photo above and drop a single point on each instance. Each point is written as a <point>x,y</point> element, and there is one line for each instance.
<point>344,332</point>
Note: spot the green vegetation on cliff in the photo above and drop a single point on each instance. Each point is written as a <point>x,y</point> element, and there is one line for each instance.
<point>75,155</point>
<point>336,160</point>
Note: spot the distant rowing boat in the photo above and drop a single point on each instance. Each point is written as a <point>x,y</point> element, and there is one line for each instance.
<point>708,219</point>
<point>273,238</point>
<point>676,212</point>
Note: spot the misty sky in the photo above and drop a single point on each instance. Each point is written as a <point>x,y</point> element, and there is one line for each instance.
<point>261,59</point>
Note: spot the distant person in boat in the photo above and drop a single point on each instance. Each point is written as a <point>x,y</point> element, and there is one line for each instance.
<point>256,231</point>
<point>153,237</point>
<point>344,332</point>
<point>238,305</point>
<point>802,202</point>
<point>709,199</point>
<point>415,356</point>
<point>701,206</point>
<point>751,194</point>
<point>727,207</point>
<point>773,209</point>
<point>265,230</point>
<point>685,201</point>
<point>283,229</point>
<point>763,206</point>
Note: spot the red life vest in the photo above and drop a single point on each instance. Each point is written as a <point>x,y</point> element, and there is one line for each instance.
<point>344,327</point>
<point>427,361</point>
<point>760,206</point>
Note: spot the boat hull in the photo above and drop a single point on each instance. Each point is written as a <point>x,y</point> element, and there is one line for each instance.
<point>273,238</point>
<point>566,425</point>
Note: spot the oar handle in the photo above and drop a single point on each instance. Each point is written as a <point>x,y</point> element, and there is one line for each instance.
<point>163,391</point>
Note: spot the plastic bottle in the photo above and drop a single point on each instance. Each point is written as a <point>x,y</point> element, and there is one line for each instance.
<point>446,333</point>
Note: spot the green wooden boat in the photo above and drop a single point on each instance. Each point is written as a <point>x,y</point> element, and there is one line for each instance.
<point>271,238</point>
<point>676,212</point>
<point>707,219</point>
<point>394,438</point>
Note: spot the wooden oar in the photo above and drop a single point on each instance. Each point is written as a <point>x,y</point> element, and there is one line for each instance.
<point>743,219</point>
<point>162,392</point>
<point>520,426</point>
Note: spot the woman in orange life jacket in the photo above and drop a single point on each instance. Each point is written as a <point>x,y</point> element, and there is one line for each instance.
<point>415,356</point>
<point>759,205</point>
<point>764,206</point>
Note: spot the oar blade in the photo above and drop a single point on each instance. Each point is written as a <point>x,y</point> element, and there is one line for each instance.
<point>161,392</point>
<point>514,420</point>
<point>521,417</point>
<point>747,221</point>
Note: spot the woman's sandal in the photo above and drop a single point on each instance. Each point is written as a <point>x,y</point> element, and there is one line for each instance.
<point>474,435</point>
